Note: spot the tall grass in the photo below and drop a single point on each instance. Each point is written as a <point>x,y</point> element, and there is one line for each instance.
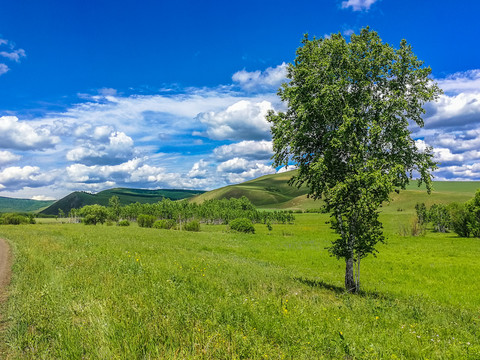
<point>98,292</point>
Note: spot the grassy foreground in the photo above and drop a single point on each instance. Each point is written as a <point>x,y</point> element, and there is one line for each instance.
<point>98,292</point>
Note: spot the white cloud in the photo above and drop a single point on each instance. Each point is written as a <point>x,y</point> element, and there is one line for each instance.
<point>3,69</point>
<point>255,150</point>
<point>466,81</point>
<point>42,197</point>
<point>107,92</point>
<point>199,170</point>
<point>118,148</point>
<point>14,55</point>
<point>15,177</point>
<point>235,165</point>
<point>348,32</point>
<point>358,5</point>
<point>8,157</point>
<point>461,172</point>
<point>270,79</point>
<point>244,120</point>
<point>453,111</point>
<point>22,136</point>
<point>131,173</point>
<point>238,170</point>
<point>286,168</point>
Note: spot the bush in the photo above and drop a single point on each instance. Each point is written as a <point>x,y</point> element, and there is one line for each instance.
<point>15,219</point>
<point>242,225</point>
<point>164,224</point>
<point>460,219</point>
<point>192,226</point>
<point>124,223</point>
<point>93,214</point>
<point>146,220</point>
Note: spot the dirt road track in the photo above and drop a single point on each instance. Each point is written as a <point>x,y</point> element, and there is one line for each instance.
<point>5,270</point>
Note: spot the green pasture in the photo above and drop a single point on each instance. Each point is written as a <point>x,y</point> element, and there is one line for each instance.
<point>273,192</point>
<point>107,292</point>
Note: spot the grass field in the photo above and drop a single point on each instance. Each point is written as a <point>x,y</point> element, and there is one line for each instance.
<point>100,292</point>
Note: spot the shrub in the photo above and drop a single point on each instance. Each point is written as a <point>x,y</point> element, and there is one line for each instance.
<point>164,224</point>
<point>460,219</point>
<point>93,214</point>
<point>242,225</point>
<point>192,226</point>
<point>15,219</point>
<point>124,223</point>
<point>146,220</point>
<point>269,225</point>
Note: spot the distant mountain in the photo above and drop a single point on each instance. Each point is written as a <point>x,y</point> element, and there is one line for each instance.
<point>127,196</point>
<point>23,205</point>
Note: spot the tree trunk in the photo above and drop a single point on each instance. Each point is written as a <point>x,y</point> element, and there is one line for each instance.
<point>350,284</point>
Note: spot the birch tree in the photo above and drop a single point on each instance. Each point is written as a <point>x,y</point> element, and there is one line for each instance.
<point>346,128</point>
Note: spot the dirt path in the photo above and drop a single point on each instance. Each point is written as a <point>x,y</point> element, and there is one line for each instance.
<point>5,272</point>
<point>4,268</point>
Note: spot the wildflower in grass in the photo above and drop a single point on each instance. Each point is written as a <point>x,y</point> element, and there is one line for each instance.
<point>376,317</point>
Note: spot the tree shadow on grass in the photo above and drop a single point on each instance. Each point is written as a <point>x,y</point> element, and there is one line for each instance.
<point>320,284</point>
<point>338,289</point>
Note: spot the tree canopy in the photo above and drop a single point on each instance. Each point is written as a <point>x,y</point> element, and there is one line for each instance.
<point>346,128</point>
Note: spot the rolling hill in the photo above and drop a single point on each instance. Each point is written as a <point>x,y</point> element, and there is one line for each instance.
<point>273,192</point>
<point>79,199</point>
<point>22,205</point>
<point>269,191</point>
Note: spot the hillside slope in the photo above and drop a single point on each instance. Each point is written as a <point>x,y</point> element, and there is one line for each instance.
<point>22,205</point>
<point>273,192</point>
<point>79,199</point>
<point>269,191</point>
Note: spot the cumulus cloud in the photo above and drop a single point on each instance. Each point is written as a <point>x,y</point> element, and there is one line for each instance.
<point>10,54</point>
<point>238,170</point>
<point>358,5</point>
<point>270,79</point>
<point>199,170</point>
<point>42,197</point>
<point>466,81</point>
<point>453,111</point>
<point>460,172</point>
<point>14,55</point>
<point>101,148</point>
<point>3,69</point>
<point>255,150</point>
<point>286,168</point>
<point>131,173</point>
<point>14,178</point>
<point>20,135</point>
<point>7,157</point>
<point>244,120</point>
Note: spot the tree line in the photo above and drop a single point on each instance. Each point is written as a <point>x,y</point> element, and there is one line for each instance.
<point>209,212</point>
<point>461,218</point>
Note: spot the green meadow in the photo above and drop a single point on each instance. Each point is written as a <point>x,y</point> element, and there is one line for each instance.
<point>108,292</point>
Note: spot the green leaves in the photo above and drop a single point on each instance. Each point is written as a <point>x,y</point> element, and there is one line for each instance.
<point>346,128</point>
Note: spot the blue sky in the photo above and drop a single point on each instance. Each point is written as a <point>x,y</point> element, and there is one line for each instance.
<point>156,94</point>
